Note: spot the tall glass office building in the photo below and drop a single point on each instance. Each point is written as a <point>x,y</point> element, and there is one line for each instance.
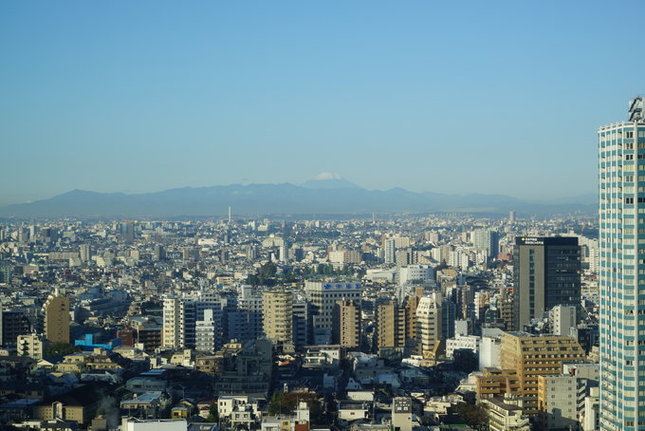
<point>622,271</point>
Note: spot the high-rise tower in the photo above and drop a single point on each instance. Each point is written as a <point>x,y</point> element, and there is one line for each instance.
<point>546,273</point>
<point>323,297</point>
<point>57,319</point>
<point>278,316</point>
<point>346,327</point>
<point>429,325</point>
<point>621,178</point>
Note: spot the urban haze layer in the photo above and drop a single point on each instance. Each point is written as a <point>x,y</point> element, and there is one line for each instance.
<point>420,322</point>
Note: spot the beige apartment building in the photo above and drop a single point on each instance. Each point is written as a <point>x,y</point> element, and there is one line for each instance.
<point>534,356</point>
<point>57,319</point>
<point>347,323</point>
<point>278,316</point>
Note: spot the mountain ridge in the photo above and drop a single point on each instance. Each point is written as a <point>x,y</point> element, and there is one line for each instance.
<point>284,198</point>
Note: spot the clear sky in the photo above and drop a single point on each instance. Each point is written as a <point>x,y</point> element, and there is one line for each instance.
<point>455,97</point>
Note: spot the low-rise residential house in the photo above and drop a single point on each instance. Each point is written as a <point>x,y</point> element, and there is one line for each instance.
<point>504,415</point>
<point>79,405</point>
<point>353,410</point>
<point>148,404</point>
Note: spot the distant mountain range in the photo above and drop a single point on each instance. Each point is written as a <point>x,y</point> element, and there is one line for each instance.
<point>329,195</point>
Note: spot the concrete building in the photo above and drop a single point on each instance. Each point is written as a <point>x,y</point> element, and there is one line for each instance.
<point>390,325</point>
<point>496,382</point>
<point>546,273</point>
<point>486,239</point>
<point>12,324</point>
<point>126,231</point>
<point>402,414</point>
<point>180,317</point>
<point>505,415</point>
<point>31,345</point>
<point>205,333</point>
<point>80,405</point>
<point>323,296</point>
<point>621,277</point>
<point>590,418</point>
<point>462,342</point>
<point>57,318</point>
<point>389,251</point>
<point>278,316</point>
<point>345,257</point>
<point>227,404</point>
<point>562,318</point>
<point>347,324</point>
<point>301,323</point>
<point>246,322</point>
<point>490,352</point>
<point>133,424</point>
<point>173,323</point>
<point>557,401</point>
<point>533,356</point>
<point>396,325</point>
<point>417,274</point>
<point>587,370</point>
<point>85,252</point>
<point>428,319</point>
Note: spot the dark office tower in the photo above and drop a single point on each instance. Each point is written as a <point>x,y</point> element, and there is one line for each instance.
<point>466,302</point>
<point>301,323</point>
<point>546,273</point>
<point>12,324</point>
<point>448,317</point>
<point>126,231</point>
<point>159,253</point>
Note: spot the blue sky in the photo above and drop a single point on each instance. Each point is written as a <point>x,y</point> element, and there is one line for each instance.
<point>455,97</point>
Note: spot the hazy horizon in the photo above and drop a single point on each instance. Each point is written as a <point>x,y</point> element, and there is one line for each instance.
<point>491,98</point>
<point>549,199</point>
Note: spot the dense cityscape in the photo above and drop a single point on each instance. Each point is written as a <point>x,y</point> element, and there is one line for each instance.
<point>399,322</point>
<point>361,323</point>
<point>322,216</point>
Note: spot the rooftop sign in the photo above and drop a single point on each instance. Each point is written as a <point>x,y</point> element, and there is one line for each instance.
<point>636,109</point>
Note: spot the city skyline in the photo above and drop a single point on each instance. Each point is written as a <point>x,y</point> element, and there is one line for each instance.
<point>342,216</point>
<point>443,98</point>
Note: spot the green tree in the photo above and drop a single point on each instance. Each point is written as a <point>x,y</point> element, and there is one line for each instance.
<point>213,413</point>
<point>474,415</point>
<point>276,406</point>
<point>286,403</point>
<point>58,349</point>
<point>265,275</point>
<point>268,270</point>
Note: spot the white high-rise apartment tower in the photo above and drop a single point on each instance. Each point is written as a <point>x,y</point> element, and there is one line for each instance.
<point>622,271</point>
